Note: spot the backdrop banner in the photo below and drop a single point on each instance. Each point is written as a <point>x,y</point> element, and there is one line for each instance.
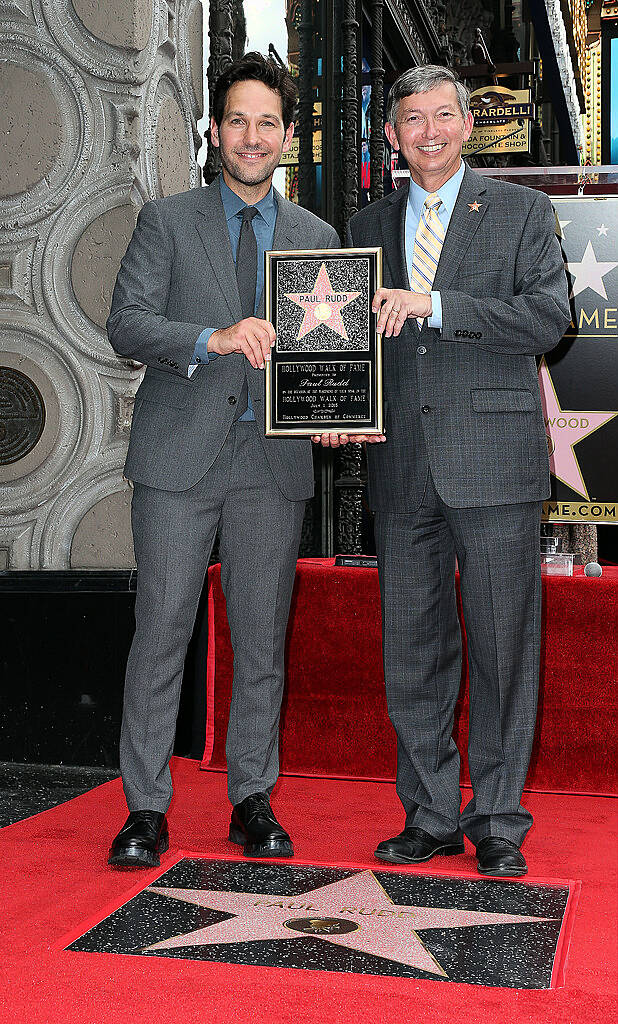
<point>579,378</point>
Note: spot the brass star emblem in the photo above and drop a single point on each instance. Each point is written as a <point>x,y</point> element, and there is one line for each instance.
<point>475,206</point>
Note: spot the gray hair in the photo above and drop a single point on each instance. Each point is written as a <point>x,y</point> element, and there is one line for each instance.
<point>424,79</point>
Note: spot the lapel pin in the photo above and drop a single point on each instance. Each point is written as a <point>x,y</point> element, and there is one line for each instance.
<point>475,206</point>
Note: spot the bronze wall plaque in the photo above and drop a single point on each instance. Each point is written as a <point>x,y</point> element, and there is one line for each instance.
<point>325,371</point>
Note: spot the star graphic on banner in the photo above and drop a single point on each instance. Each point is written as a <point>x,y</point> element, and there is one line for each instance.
<point>475,206</point>
<point>566,427</point>
<point>322,305</point>
<point>589,273</point>
<point>602,229</point>
<point>354,912</point>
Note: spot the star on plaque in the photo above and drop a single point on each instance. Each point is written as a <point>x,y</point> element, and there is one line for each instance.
<point>566,427</point>
<point>322,305</point>
<point>589,273</point>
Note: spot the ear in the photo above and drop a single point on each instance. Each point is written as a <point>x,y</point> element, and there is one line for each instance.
<point>214,132</point>
<point>468,125</point>
<point>391,135</point>
<point>287,138</point>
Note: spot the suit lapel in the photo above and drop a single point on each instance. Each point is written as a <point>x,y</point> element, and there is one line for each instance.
<point>463,225</point>
<point>212,228</point>
<point>393,223</point>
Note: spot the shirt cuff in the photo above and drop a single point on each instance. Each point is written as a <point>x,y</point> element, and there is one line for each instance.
<point>200,352</point>
<point>435,320</point>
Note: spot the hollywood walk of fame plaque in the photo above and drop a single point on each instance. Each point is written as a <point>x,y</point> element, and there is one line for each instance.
<point>325,371</point>
<point>389,923</point>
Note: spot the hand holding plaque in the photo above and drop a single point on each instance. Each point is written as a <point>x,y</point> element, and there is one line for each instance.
<point>325,371</point>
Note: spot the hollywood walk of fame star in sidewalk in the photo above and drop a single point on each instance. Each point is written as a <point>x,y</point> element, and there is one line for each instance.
<point>564,435</point>
<point>322,305</point>
<point>381,927</point>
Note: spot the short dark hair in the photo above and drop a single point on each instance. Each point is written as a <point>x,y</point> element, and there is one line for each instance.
<point>253,67</point>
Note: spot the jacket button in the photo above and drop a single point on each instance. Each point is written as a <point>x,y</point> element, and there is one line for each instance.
<point>421,350</point>
<point>232,400</point>
<point>458,334</point>
<point>426,408</point>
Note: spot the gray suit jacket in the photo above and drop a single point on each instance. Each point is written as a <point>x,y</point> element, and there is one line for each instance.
<point>464,399</point>
<point>178,277</point>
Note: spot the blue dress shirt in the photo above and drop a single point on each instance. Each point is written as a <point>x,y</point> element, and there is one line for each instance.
<point>264,228</point>
<point>416,199</point>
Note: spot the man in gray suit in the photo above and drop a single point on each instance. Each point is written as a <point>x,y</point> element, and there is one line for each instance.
<point>188,303</point>
<point>474,289</point>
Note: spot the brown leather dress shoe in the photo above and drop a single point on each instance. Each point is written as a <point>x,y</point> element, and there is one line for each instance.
<point>500,858</point>
<point>255,828</point>
<point>414,845</point>
<point>141,839</point>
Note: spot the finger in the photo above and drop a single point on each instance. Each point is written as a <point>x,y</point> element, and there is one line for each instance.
<point>253,352</point>
<point>315,438</point>
<point>399,321</point>
<point>380,296</point>
<point>325,439</point>
<point>263,326</point>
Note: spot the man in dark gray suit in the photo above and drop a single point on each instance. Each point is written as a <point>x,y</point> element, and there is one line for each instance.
<point>188,303</point>
<point>474,289</point>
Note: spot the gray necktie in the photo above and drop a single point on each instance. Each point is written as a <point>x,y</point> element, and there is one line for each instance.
<point>246,262</point>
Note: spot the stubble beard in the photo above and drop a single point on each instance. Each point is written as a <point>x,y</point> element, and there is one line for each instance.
<point>245,176</point>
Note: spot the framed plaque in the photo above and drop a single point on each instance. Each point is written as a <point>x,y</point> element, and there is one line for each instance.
<point>325,370</point>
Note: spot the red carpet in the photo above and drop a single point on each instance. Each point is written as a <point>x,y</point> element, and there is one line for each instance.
<point>55,880</point>
<point>334,717</point>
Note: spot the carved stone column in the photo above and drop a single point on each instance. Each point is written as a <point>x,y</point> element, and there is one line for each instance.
<point>99,103</point>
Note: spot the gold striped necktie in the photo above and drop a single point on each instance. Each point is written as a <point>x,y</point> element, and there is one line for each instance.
<point>428,243</point>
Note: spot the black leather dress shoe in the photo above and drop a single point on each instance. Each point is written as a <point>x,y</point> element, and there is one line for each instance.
<point>414,845</point>
<point>255,828</point>
<point>141,839</point>
<point>500,858</point>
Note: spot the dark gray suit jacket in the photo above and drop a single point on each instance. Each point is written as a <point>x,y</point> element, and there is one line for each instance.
<point>464,399</point>
<point>178,277</point>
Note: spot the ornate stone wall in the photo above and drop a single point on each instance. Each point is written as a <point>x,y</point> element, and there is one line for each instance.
<point>99,101</point>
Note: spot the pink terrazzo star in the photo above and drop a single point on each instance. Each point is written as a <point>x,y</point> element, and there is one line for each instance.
<point>322,305</point>
<point>566,427</point>
<point>354,912</point>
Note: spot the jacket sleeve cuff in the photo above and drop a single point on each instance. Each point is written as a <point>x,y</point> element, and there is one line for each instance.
<point>200,352</point>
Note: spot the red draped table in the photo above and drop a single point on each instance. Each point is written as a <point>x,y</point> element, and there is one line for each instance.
<point>334,720</point>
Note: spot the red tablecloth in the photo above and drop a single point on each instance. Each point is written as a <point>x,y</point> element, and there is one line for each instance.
<point>334,719</point>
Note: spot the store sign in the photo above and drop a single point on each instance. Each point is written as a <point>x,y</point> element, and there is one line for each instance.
<point>502,120</point>
<point>290,159</point>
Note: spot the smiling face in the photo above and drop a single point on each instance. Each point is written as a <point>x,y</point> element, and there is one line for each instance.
<point>251,138</point>
<point>430,132</point>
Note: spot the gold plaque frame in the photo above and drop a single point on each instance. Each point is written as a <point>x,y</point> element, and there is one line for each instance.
<point>325,379</point>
